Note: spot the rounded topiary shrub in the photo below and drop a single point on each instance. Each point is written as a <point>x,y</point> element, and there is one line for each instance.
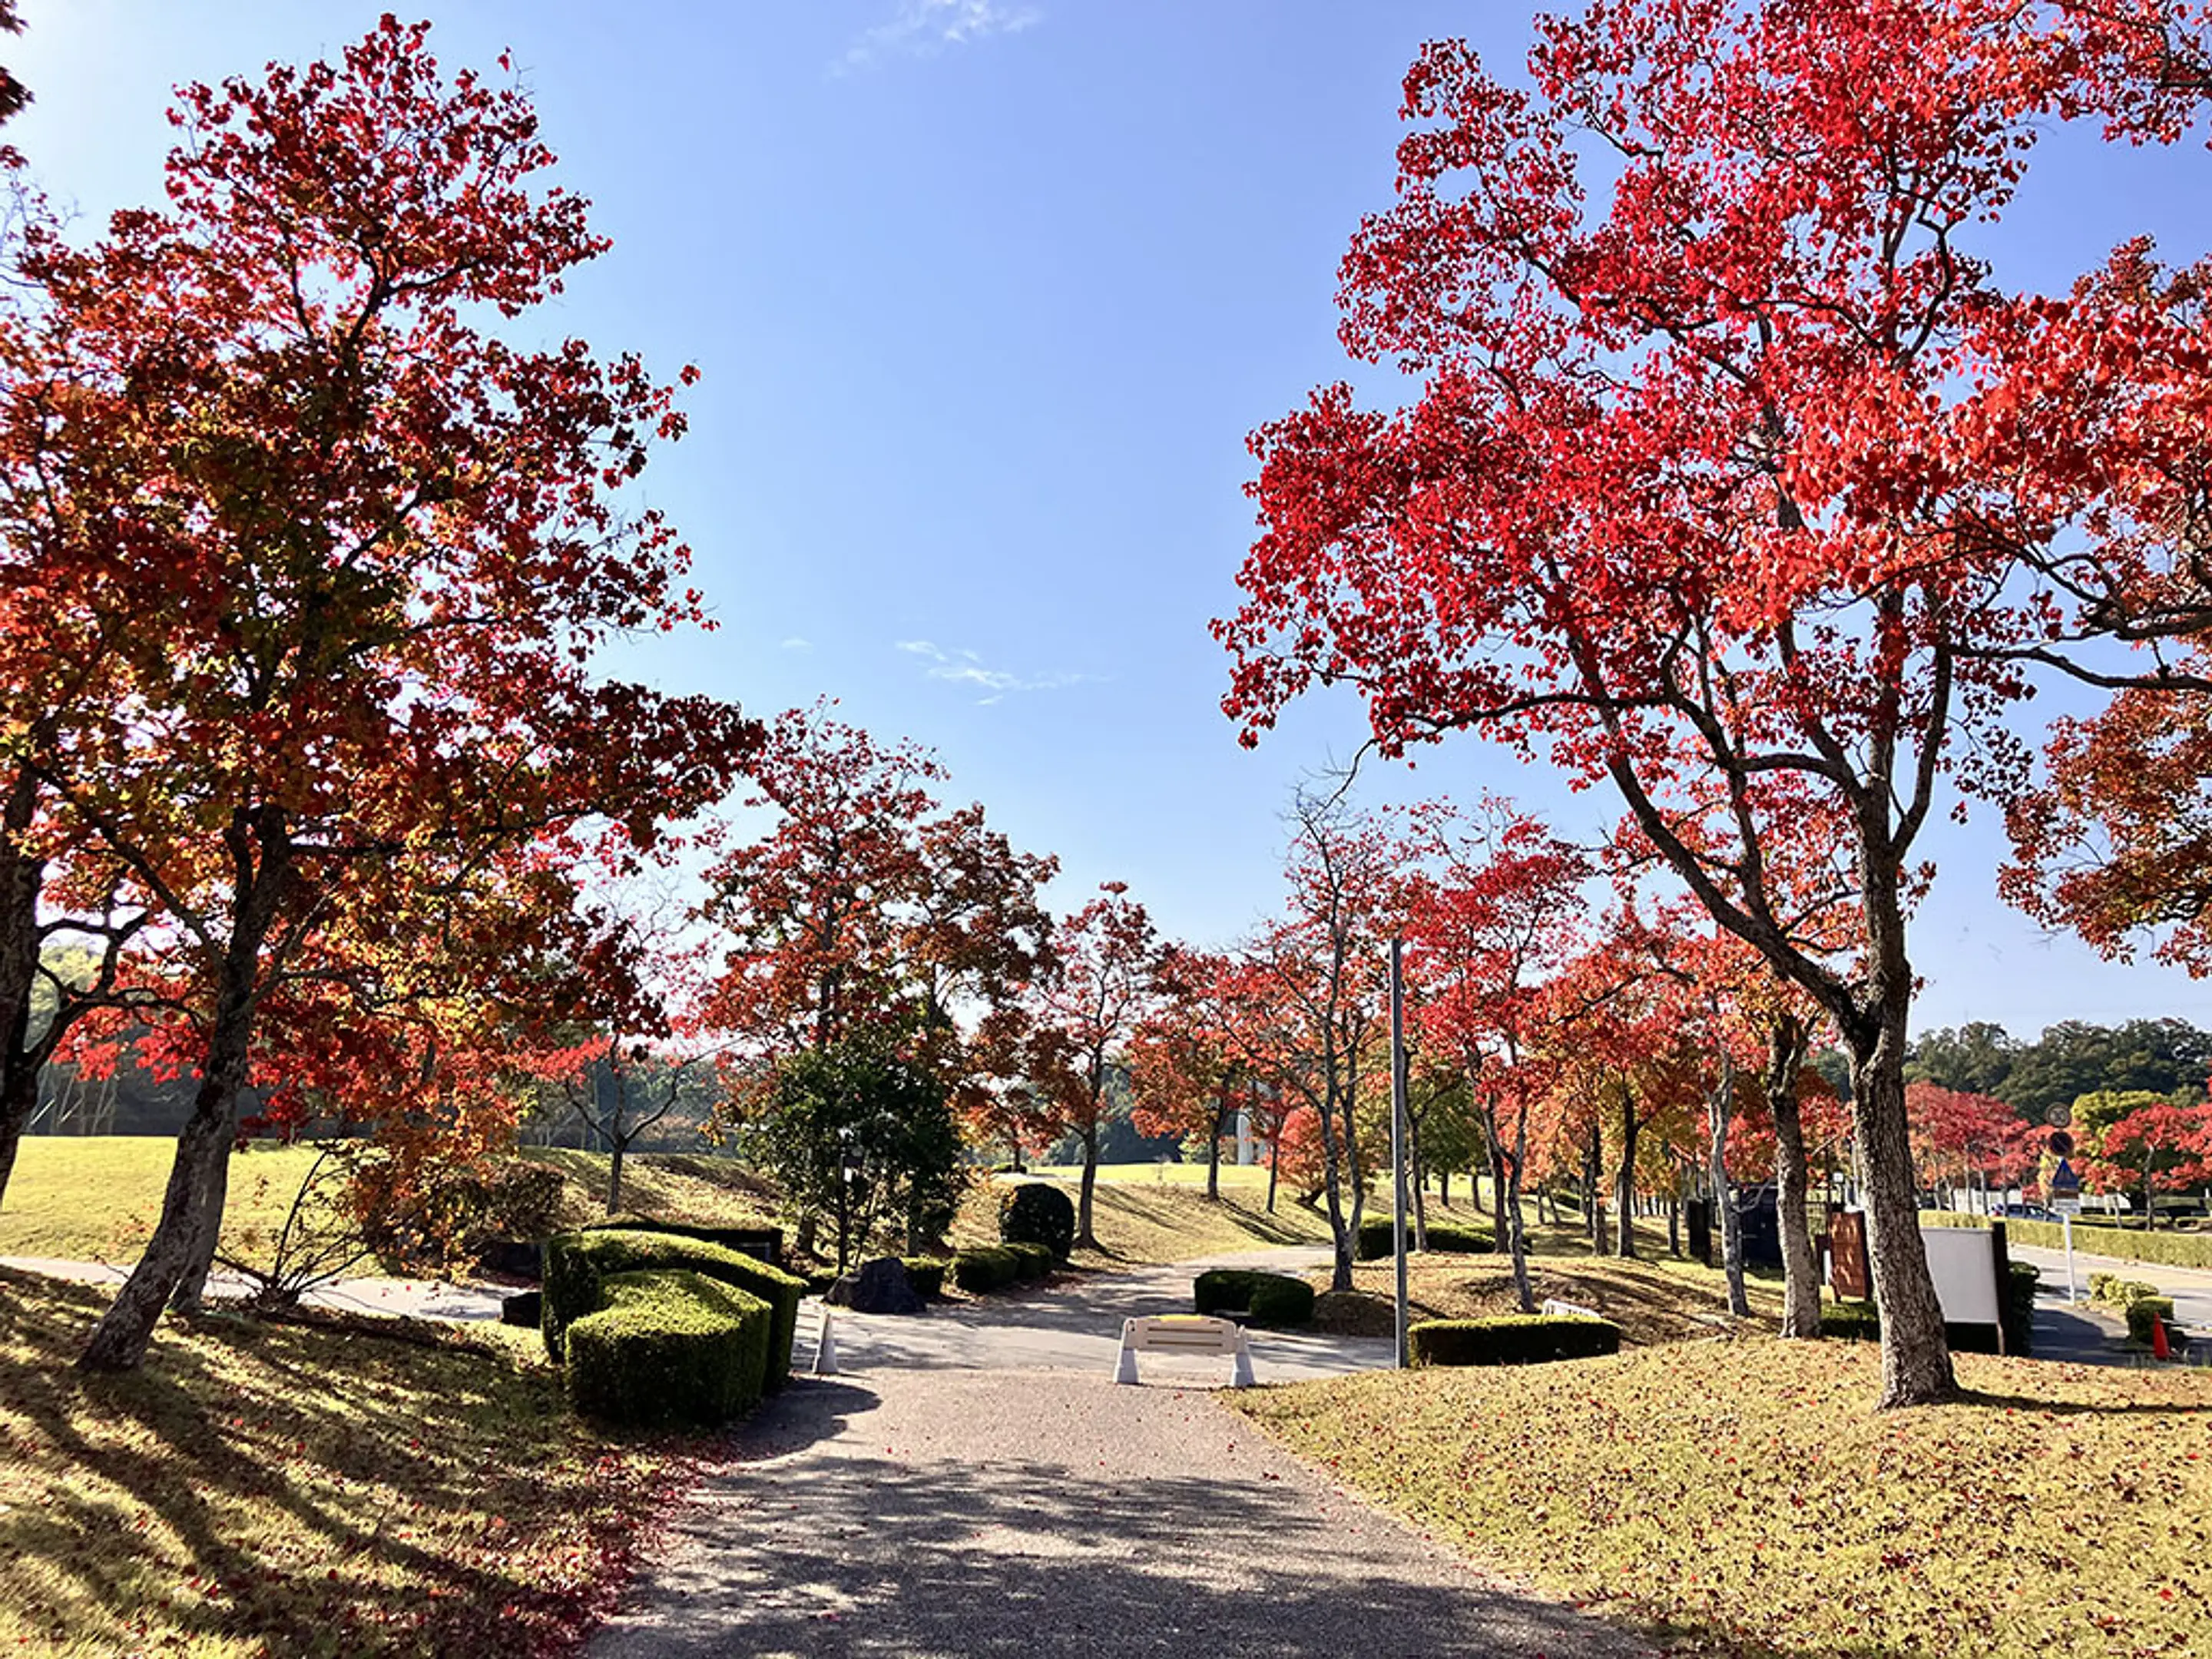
<point>1035,1213</point>
<point>668,1347</point>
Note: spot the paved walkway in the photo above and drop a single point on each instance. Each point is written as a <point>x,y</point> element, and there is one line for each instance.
<point>422,1298</point>
<point>1075,1324</point>
<point>972,1482</point>
<point>935,1512</point>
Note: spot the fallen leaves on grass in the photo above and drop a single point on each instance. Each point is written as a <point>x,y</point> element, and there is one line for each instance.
<point>304,1490</point>
<point>1743,1496</point>
<point>1661,1300</point>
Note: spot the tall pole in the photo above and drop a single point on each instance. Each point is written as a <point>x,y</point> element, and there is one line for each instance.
<point>1398,1134</point>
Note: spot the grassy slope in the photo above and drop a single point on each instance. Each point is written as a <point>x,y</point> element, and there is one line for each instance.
<point>97,1198</point>
<point>272,1489</point>
<point>1140,1218</point>
<point>1742,1494</point>
<point>1655,1298</point>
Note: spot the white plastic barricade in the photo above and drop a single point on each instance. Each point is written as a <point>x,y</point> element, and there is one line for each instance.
<point>1556,1309</point>
<point>1188,1333</point>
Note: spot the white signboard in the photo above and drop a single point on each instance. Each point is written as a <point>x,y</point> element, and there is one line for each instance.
<point>1962,1261</point>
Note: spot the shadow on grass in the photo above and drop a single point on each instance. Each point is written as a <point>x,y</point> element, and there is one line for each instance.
<point>2021,1403</point>
<point>313,1492</point>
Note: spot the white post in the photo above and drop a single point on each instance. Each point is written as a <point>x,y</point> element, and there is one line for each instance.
<point>825,1347</point>
<point>1398,1134</point>
<point>2066,1225</point>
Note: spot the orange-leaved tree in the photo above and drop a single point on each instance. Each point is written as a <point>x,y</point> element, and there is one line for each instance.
<point>375,544</point>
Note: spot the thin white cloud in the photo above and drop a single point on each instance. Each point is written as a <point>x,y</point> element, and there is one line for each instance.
<point>794,643</point>
<point>963,667</point>
<point>922,29</point>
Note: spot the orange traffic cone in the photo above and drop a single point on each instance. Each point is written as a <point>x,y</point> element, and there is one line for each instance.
<point>2160,1347</point>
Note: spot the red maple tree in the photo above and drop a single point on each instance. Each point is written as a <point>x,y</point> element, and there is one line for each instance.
<point>1084,1012</point>
<point>371,547</point>
<point>1734,478</point>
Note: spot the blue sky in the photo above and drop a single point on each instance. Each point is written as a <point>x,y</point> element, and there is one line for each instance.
<point>987,295</point>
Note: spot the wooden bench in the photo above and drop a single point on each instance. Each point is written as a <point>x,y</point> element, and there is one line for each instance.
<point>1185,1334</point>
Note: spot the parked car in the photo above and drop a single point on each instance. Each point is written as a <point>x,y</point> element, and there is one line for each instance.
<point>2026,1212</point>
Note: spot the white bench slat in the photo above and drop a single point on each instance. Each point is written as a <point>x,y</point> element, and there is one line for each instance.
<point>1184,1334</point>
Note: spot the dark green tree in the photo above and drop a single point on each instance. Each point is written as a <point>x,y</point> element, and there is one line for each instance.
<point>1973,1059</point>
<point>859,1130</point>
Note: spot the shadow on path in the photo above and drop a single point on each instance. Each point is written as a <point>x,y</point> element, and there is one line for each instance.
<point>945,1513</point>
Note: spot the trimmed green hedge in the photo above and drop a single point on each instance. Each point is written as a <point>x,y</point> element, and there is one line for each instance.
<point>669,1347</point>
<point>988,1268</point>
<point>1510,1340</point>
<point>2117,1290</point>
<point>1273,1300</point>
<point>576,1263</point>
<point>985,1268</point>
<point>1035,1212</point>
<point>2122,1243</point>
<point>926,1274</point>
<point>2142,1310</point>
<point>1451,1237</point>
<point>730,1238</point>
<point>1852,1321</point>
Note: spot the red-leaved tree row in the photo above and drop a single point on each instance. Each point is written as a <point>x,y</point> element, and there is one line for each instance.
<point>1738,479</point>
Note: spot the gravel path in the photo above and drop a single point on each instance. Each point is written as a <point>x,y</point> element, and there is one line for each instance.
<point>958,1512</point>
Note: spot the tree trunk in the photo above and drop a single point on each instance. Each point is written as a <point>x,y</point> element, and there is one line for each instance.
<point>1720,1108</point>
<point>207,1231</point>
<point>1213,1153</point>
<point>1673,1224</point>
<point>1413,1154</point>
<point>615,1174</point>
<point>22,877</point>
<point>1593,1176</point>
<point>1443,1187</point>
<point>1516,1229</point>
<point>1625,1193</point>
<point>19,1098</point>
<point>1274,1169</point>
<point>1787,1039</point>
<point>118,1342</point>
<point>1916,1360</point>
<point>1084,1236</point>
<point>1347,1247</point>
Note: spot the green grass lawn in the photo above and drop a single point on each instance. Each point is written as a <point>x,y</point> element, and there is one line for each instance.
<point>96,1198</point>
<point>1659,1300</point>
<point>1743,1497</point>
<point>1141,1221</point>
<point>269,1489</point>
